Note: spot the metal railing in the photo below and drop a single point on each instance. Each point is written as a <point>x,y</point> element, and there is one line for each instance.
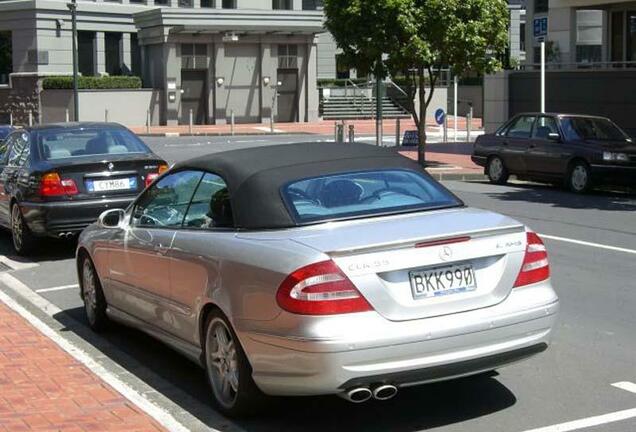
<point>607,65</point>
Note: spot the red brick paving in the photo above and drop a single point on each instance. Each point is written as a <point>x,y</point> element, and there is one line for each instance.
<point>43,388</point>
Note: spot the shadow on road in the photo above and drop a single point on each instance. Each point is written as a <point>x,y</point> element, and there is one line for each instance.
<point>185,384</point>
<point>47,250</point>
<point>544,194</point>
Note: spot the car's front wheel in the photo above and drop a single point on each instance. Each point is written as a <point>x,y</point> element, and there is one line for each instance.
<point>93,296</point>
<point>579,177</point>
<point>497,171</point>
<point>228,369</point>
<point>23,240</point>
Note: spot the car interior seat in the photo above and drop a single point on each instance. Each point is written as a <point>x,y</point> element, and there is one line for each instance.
<point>340,192</point>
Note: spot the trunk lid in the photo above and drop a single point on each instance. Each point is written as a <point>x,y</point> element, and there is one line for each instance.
<point>384,256</point>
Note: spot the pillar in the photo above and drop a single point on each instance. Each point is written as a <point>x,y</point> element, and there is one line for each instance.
<point>125,55</point>
<point>99,47</point>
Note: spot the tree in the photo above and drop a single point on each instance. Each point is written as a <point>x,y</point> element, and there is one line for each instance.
<point>418,38</point>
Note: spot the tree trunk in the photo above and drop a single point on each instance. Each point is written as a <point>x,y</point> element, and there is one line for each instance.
<point>421,127</point>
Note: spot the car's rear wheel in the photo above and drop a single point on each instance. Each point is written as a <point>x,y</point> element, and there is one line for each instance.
<point>93,296</point>
<point>23,240</point>
<point>579,178</point>
<point>497,171</point>
<point>228,369</point>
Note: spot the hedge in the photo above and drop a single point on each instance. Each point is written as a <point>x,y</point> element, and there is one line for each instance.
<point>340,82</point>
<point>92,82</point>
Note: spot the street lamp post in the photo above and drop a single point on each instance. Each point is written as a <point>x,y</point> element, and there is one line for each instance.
<point>72,6</point>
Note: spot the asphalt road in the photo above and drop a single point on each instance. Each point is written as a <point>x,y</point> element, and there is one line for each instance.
<point>594,343</point>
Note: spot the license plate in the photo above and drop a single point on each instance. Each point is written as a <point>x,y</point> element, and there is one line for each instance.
<point>111,184</point>
<point>442,281</point>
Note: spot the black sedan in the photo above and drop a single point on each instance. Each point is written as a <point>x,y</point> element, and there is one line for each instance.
<point>574,150</point>
<point>56,179</point>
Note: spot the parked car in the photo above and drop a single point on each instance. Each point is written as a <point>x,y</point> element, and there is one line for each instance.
<point>574,150</point>
<point>5,130</point>
<point>56,179</point>
<point>318,268</point>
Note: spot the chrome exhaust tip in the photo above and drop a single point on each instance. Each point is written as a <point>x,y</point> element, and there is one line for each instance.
<point>357,395</point>
<point>384,392</point>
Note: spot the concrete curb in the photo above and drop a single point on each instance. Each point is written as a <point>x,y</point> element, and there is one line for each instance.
<point>217,134</point>
<point>458,176</point>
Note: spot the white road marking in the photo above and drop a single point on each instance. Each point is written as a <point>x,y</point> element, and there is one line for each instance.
<point>16,265</point>
<point>58,288</point>
<point>626,385</point>
<point>589,422</point>
<point>584,243</point>
<point>162,416</point>
<point>266,129</point>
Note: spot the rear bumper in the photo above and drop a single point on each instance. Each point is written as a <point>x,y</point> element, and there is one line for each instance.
<point>614,174</point>
<point>374,350</point>
<point>54,218</point>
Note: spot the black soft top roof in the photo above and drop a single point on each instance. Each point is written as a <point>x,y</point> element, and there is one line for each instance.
<point>256,175</point>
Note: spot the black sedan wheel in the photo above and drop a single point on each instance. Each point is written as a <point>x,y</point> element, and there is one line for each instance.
<point>23,240</point>
<point>228,369</point>
<point>93,296</point>
<point>579,178</point>
<point>497,171</point>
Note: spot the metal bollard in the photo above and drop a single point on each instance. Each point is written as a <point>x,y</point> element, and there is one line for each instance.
<point>232,122</point>
<point>67,115</point>
<point>340,133</point>
<point>106,115</point>
<point>335,131</point>
<point>11,118</point>
<point>397,132</point>
<point>148,121</point>
<point>445,137</point>
<point>469,123</point>
<point>30,118</point>
<point>190,123</point>
<point>352,134</point>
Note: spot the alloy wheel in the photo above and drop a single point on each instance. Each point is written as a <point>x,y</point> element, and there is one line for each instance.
<point>90,291</point>
<point>222,363</point>
<point>17,228</point>
<point>579,178</point>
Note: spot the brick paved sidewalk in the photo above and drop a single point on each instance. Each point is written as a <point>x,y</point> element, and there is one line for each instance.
<point>43,388</point>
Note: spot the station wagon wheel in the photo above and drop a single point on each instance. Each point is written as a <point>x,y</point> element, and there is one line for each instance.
<point>579,178</point>
<point>23,240</point>
<point>497,171</point>
<point>93,296</point>
<point>228,369</point>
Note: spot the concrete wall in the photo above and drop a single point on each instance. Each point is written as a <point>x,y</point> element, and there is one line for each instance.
<point>128,107</point>
<point>496,100</point>
<point>240,64</point>
<point>326,58</point>
<point>467,95</point>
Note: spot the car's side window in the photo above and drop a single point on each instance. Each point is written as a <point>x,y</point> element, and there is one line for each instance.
<point>165,203</point>
<point>522,127</point>
<point>211,206</point>
<point>544,127</point>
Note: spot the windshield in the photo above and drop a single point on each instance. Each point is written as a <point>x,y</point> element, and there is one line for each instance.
<point>69,143</point>
<point>589,128</point>
<point>366,193</point>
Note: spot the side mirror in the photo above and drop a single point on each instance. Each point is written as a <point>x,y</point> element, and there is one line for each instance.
<point>554,136</point>
<point>111,218</point>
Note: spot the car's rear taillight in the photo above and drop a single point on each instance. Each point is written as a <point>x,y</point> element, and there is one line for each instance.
<point>150,177</point>
<point>52,184</point>
<point>535,267</point>
<point>320,289</point>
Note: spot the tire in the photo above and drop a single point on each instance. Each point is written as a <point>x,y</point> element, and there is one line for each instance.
<point>229,373</point>
<point>497,171</point>
<point>93,296</point>
<point>579,178</point>
<point>24,242</point>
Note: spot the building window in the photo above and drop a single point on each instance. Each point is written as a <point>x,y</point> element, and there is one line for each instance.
<point>186,3</point>
<point>207,3</point>
<point>86,52</point>
<point>631,36</point>
<point>6,56</point>
<point>112,44</point>
<point>138,1</point>
<point>522,37</point>
<point>282,4</point>
<point>194,56</point>
<point>312,4</point>
<point>541,6</point>
<point>135,55</point>
<point>161,2</point>
<point>589,36</point>
<point>287,56</point>
<point>228,4</point>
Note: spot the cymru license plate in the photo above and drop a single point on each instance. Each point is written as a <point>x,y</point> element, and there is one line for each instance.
<point>442,281</point>
<point>111,184</point>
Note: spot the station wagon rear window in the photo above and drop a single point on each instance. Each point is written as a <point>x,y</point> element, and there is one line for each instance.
<point>66,143</point>
<point>360,194</point>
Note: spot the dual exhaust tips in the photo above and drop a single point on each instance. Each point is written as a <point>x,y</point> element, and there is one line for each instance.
<point>65,235</point>
<point>363,394</point>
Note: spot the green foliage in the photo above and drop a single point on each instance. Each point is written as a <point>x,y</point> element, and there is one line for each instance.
<point>92,82</point>
<point>340,82</point>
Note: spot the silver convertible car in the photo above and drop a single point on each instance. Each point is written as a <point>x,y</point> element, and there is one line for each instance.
<point>318,268</point>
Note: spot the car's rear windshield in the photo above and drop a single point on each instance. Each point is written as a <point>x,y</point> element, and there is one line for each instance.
<point>82,142</point>
<point>591,128</point>
<point>368,193</point>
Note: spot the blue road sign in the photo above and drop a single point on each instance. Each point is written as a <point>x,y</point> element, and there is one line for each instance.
<point>540,27</point>
<point>440,116</point>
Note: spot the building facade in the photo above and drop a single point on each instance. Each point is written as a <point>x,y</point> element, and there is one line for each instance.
<point>213,60</point>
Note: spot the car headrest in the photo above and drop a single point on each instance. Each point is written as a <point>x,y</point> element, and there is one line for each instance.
<point>340,193</point>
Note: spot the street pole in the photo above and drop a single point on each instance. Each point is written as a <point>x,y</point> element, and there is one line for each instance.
<point>455,85</point>
<point>542,77</point>
<point>378,106</point>
<point>73,8</point>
